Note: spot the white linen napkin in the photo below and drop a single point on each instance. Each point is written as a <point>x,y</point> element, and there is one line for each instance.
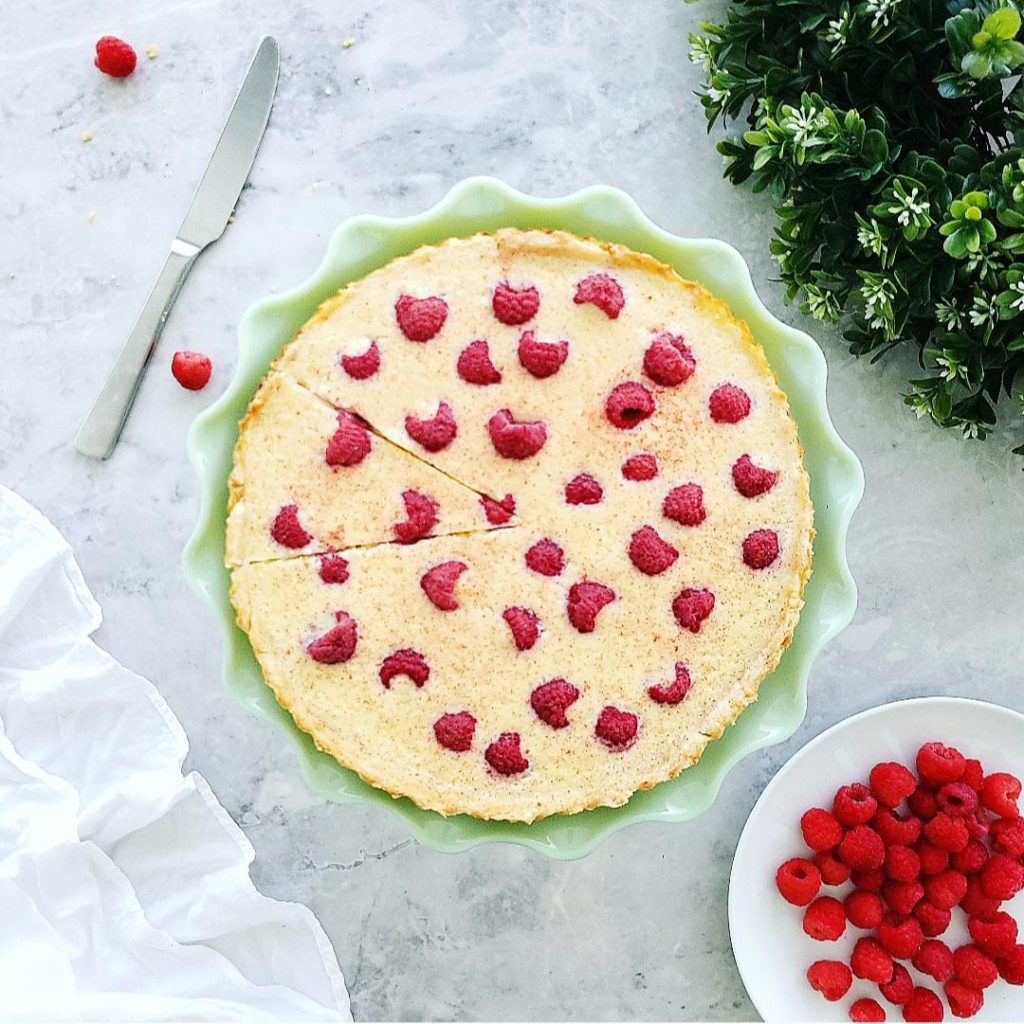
<point>124,885</point>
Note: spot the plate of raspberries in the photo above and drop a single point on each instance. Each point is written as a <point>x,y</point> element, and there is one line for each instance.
<point>897,859</point>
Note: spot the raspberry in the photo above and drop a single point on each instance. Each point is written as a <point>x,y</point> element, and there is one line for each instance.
<point>286,529</point>
<point>435,433</point>
<point>922,803</point>
<point>864,909</point>
<point>891,783</point>
<point>349,444</point>
<point>504,755</point>
<point>583,489</point>
<point>541,359</point>
<point>976,903</point>
<point>585,601</point>
<point>550,701</point>
<point>674,692</point>
<point>514,439</point>
<point>923,1005</point>
<point>668,360</point>
<point>691,607</point>
<point>831,978</point>
<point>191,370</point>
<point>545,557</point>
<point>729,404</point>
<point>685,505</point>
<point>854,805</point>
<point>937,764</point>
<point>455,731</point>
<point>821,831</point>
<point>650,552</point>
<point>947,833</point>
<point>616,729</point>
<point>333,569</point>
<point>798,880</point>
<point>1008,836</point>
<point>871,879</point>
<point>1002,877</point>
<point>973,967</point>
<point>999,794</point>
<point>438,584</point>
<point>974,774</point>
<point>514,306</point>
<point>602,291</point>
<point>963,1000</point>
<point>498,512</point>
<point>901,936</point>
<point>420,319</point>
<point>420,517</point>
<point>957,799</point>
<point>900,988</point>
<point>862,848</point>
<point>337,644</point>
<point>933,860</point>
<point>935,959</point>
<point>871,962</point>
<point>628,405</point>
<point>946,889</point>
<point>866,1010</point>
<point>996,935</point>
<point>640,467</point>
<point>114,57</point>
<point>902,864</point>
<point>363,366</point>
<point>405,662</point>
<point>760,549</point>
<point>751,481</point>
<point>1011,966</point>
<point>833,870</point>
<point>524,625</point>
<point>977,824</point>
<point>896,830</point>
<point>934,920</point>
<point>971,859</point>
<point>474,365</point>
<point>902,897</point>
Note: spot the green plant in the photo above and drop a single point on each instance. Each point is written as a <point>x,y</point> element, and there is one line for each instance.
<point>890,135</point>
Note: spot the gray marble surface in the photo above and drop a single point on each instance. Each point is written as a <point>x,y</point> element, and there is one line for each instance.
<point>549,96</point>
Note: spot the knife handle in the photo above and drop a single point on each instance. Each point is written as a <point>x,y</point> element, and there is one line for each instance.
<point>105,422</point>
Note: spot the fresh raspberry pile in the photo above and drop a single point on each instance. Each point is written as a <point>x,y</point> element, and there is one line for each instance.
<point>915,846</point>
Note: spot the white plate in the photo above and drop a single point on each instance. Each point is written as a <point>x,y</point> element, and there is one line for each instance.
<point>772,952</point>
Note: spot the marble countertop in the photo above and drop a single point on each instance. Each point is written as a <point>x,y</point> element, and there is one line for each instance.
<point>550,95</point>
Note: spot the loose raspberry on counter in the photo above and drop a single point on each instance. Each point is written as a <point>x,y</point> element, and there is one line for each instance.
<point>191,370</point>
<point>862,848</point>
<point>286,529</point>
<point>957,799</point>
<point>349,444</point>
<point>902,897</point>
<point>946,889</point>
<point>798,881</point>
<point>833,871</point>
<point>404,662</point>
<point>831,978</point>
<point>668,360</point>
<point>420,517</point>
<point>550,701</point>
<point>1008,836</point>
<point>976,903</point>
<point>498,512</point>
<point>901,936</point>
<point>602,291</point>
<point>454,731</point>
<point>999,793</point>
<point>545,557</point>
<point>640,467</point>
<point>1002,877</point>
<point>436,432</point>
<point>900,988</point>
<point>871,962</point>
<point>364,365</point>
<point>438,584</point>
<point>691,607</point>
<point>420,319</point>
<point>935,959</point>
<point>514,306</point>
<point>938,764</point>
<point>821,830</point>
<point>864,909</point>
<point>541,359</point>
<point>971,859</point>
<point>474,365</point>
<point>760,549</point>
<point>933,860</point>
<point>729,404</point>
<point>891,783</point>
<point>504,755</point>
<point>923,1005</point>
<point>628,405</point>
<point>854,805</point>
<point>685,505</point>
<point>1011,966</point>
<point>674,692</point>
<point>902,864</point>
<point>615,728</point>
<point>333,569</point>
<point>752,481</point>
<point>963,1000</point>
<point>583,489</point>
<point>650,552</point>
<point>585,601</point>
<point>338,644</point>
<point>995,935</point>
<point>525,627</point>
<point>865,1009</point>
<point>947,833</point>
<point>974,967</point>
<point>516,439</point>
<point>115,57</point>
<point>895,829</point>
<point>934,920</point>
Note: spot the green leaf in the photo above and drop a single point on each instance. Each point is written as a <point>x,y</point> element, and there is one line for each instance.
<point>976,64</point>
<point>1003,23</point>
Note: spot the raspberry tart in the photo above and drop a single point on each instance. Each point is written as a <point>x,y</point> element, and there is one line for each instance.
<point>517,524</point>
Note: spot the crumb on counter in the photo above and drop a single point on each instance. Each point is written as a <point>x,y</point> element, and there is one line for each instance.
<point>90,217</point>
<point>328,91</point>
<point>152,52</point>
<point>231,219</point>
<point>87,136</point>
<point>347,44</point>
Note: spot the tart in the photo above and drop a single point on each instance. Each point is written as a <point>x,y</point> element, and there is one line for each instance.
<point>517,524</point>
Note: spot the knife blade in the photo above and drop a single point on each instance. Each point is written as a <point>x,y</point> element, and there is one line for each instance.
<point>204,223</point>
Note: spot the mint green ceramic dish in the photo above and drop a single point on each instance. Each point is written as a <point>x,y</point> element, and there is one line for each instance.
<point>484,204</point>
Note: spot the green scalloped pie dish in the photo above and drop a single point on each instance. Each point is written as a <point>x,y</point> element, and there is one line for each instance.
<point>365,243</point>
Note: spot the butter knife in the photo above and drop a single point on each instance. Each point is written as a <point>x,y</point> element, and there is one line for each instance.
<point>204,223</point>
